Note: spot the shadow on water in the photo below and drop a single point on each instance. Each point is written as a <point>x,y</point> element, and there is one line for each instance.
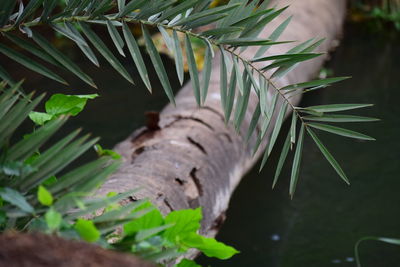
<point>320,226</point>
<point>325,219</point>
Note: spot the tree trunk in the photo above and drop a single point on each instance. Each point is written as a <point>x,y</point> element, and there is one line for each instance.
<point>189,158</point>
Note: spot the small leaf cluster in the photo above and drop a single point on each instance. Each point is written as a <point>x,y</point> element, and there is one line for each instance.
<point>176,232</point>
<point>60,104</point>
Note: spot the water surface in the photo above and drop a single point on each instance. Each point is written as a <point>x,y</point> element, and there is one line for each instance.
<point>320,226</point>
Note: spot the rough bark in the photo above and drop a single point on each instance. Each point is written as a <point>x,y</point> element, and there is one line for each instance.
<point>40,250</point>
<point>190,158</point>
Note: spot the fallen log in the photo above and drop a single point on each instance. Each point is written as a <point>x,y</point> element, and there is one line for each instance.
<point>187,157</point>
<point>41,250</point>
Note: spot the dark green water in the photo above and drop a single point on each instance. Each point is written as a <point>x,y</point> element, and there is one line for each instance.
<point>325,219</point>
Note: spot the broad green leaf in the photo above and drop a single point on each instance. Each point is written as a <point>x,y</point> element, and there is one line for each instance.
<point>50,181</point>
<point>107,54</point>
<point>15,198</point>
<point>116,38</point>
<point>209,246</point>
<point>282,158</point>
<point>60,104</point>
<point>136,55</point>
<point>322,82</point>
<point>106,152</point>
<point>158,65</point>
<point>187,263</point>
<point>179,58</point>
<point>206,72</point>
<point>328,156</point>
<point>193,69</point>
<point>87,230</point>
<point>62,59</point>
<point>184,223</point>
<point>44,196</point>
<point>40,117</point>
<point>337,107</point>
<point>340,131</point>
<point>30,64</point>
<point>339,118</point>
<point>53,219</point>
<point>296,162</point>
<point>150,220</point>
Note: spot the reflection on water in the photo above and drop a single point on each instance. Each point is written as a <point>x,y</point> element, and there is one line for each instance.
<point>325,219</point>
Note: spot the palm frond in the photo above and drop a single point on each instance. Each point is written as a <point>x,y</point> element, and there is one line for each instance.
<point>237,25</point>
